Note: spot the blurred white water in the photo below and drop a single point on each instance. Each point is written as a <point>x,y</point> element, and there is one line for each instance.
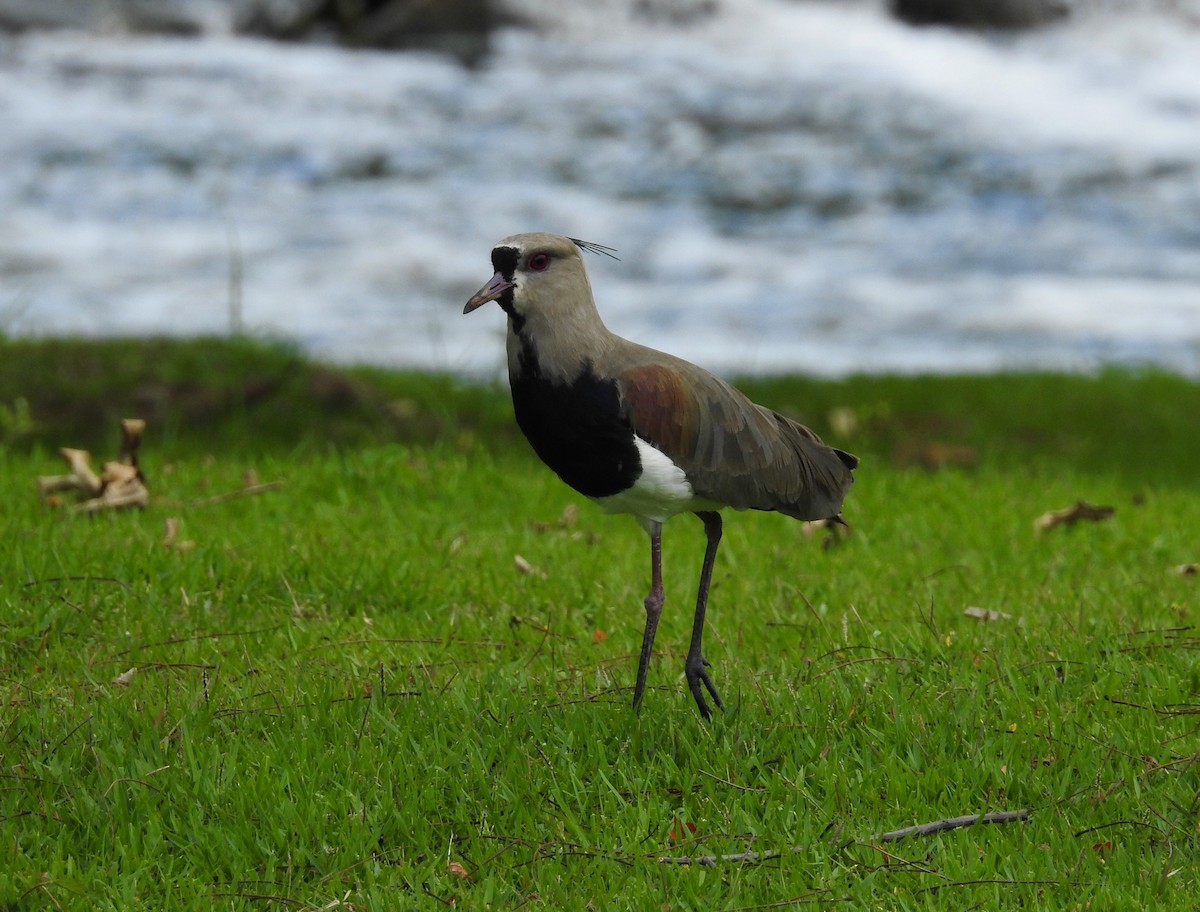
<point>791,186</point>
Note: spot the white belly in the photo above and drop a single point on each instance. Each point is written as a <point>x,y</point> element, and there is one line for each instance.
<point>660,492</point>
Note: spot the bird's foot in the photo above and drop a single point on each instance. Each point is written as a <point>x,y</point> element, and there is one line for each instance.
<point>697,674</point>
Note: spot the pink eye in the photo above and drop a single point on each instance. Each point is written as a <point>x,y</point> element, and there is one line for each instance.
<point>539,262</point>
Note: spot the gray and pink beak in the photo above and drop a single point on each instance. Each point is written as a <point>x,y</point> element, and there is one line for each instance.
<point>495,287</point>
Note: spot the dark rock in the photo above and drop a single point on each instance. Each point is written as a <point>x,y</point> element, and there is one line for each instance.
<point>461,28</point>
<point>457,27</point>
<point>1003,14</point>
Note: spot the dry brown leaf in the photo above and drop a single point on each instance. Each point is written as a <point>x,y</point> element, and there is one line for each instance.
<point>457,869</point>
<point>566,519</point>
<point>1080,510</point>
<point>171,537</point>
<point>523,566</point>
<point>123,679</point>
<point>599,636</point>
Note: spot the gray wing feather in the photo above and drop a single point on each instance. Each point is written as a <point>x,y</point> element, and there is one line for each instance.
<point>733,451</point>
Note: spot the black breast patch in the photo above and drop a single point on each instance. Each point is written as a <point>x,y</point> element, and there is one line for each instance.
<point>577,429</point>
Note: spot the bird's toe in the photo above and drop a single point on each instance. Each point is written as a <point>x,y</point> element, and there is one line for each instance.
<point>697,675</point>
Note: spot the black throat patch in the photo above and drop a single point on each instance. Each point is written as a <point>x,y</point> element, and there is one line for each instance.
<point>504,261</point>
<point>578,428</point>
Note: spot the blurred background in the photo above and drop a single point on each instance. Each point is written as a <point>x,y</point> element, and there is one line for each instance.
<point>792,185</point>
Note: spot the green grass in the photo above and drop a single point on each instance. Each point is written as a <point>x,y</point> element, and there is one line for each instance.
<point>346,692</point>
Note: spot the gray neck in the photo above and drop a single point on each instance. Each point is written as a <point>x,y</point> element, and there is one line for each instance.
<point>561,348</point>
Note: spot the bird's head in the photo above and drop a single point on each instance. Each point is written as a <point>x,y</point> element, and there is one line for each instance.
<point>538,276</point>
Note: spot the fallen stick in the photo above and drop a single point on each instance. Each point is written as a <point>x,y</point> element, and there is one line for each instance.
<point>248,491</point>
<point>119,484</point>
<point>131,438</point>
<point>1080,510</point>
<point>80,463</point>
<point>952,823</point>
<point>924,829</point>
<point>52,484</point>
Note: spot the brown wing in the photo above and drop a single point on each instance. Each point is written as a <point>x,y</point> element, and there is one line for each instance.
<point>733,451</point>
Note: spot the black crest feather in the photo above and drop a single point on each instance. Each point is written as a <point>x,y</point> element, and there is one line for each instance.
<point>590,247</point>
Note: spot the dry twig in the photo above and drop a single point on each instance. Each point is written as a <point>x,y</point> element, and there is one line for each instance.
<point>119,484</point>
<point>1080,510</point>
<point>248,491</point>
<point>924,829</point>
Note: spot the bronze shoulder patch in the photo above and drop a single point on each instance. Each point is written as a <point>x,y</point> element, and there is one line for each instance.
<point>661,408</point>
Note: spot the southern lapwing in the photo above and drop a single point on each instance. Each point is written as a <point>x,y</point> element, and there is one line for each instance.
<point>642,432</point>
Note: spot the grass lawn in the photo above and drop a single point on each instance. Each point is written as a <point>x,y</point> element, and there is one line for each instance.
<point>347,692</point>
